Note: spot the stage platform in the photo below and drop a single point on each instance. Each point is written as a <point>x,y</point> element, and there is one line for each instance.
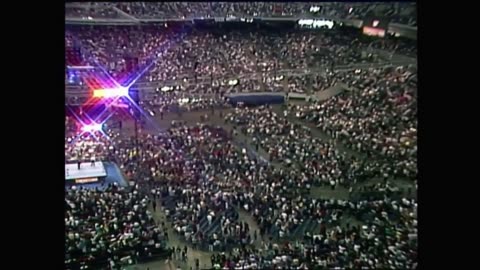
<point>98,177</point>
<point>86,170</point>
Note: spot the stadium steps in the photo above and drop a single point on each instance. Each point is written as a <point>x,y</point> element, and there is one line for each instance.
<point>203,223</point>
<point>297,230</point>
<point>273,230</point>
<point>169,203</point>
<point>214,228</point>
<point>208,227</point>
<point>329,92</point>
<point>303,228</point>
<point>310,228</point>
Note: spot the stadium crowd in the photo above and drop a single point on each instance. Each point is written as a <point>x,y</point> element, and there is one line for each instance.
<point>92,11</point>
<point>289,143</point>
<point>309,83</point>
<point>178,101</point>
<point>377,118</point>
<point>204,179</point>
<point>204,176</point>
<point>209,179</point>
<point>399,12</point>
<point>387,241</point>
<point>165,54</point>
<point>110,227</point>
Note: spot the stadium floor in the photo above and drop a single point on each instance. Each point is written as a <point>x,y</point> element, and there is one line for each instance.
<point>158,125</point>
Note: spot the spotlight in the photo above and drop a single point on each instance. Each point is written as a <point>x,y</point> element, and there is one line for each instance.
<point>108,93</point>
